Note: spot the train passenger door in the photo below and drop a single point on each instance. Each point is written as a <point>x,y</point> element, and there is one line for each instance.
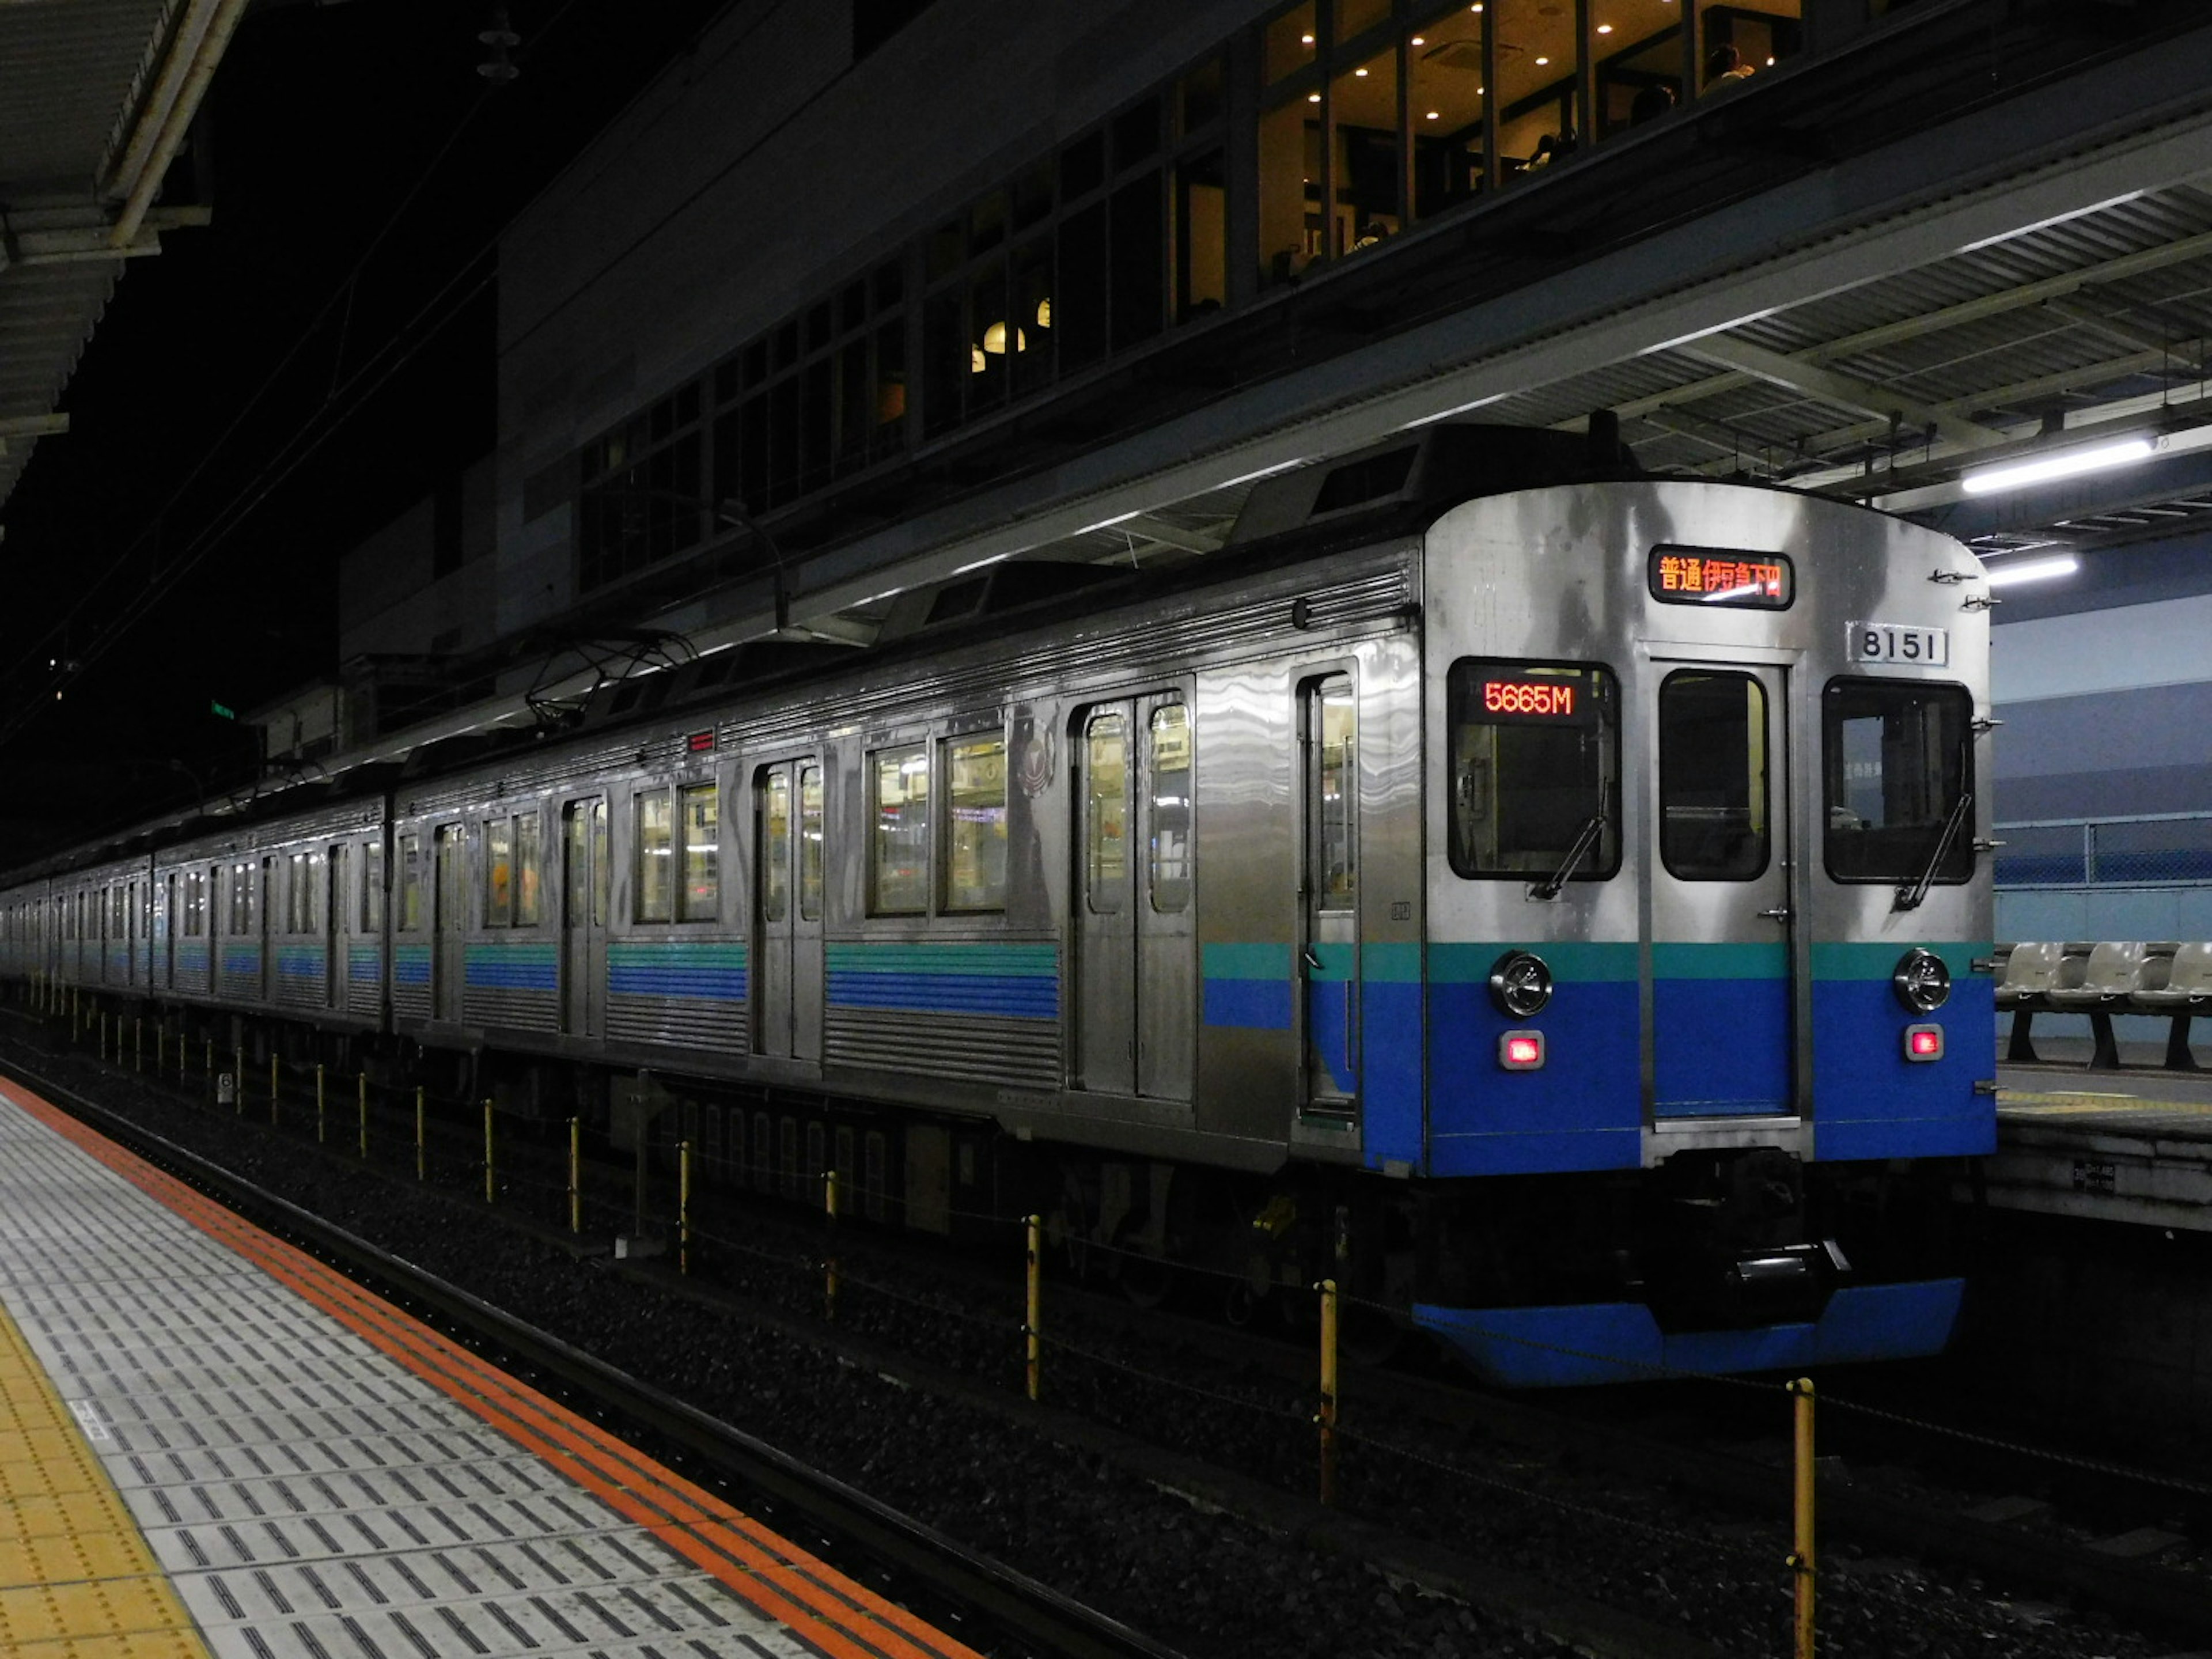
<point>449,951</point>
<point>786,975</point>
<point>1135,991</point>
<point>1721,1010</point>
<point>1329,950</point>
<point>584,878</point>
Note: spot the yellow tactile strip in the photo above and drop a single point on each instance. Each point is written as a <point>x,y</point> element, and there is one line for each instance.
<point>77,1578</point>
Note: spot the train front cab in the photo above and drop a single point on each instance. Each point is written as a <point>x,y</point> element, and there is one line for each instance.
<point>1704,1037</point>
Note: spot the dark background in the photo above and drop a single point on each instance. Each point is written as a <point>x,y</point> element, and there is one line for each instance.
<point>358,166</point>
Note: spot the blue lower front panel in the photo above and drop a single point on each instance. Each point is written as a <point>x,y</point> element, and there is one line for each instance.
<point>1621,1342</point>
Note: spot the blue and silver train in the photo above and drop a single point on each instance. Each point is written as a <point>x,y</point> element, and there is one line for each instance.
<point>1547,897</point>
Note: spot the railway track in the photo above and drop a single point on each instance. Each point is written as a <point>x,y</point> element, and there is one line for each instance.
<point>910,1562</point>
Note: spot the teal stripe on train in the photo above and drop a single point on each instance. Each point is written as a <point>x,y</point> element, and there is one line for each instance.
<point>714,969</point>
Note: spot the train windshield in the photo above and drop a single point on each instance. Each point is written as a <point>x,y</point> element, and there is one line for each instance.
<point>1896,756</point>
<point>1535,759</point>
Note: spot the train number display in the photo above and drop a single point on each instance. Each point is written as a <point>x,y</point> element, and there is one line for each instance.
<point>1874,641</point>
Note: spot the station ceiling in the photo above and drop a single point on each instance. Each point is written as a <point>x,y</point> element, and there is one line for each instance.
<point>96,99</point>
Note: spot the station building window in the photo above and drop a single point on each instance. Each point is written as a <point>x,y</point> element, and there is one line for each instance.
<point>640,499</point>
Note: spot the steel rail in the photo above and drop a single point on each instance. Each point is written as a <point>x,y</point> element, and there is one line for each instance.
<point>1050,1622</point>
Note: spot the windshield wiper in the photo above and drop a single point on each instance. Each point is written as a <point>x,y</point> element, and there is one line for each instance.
<point>1909,894</point>
<point>1585,838</point>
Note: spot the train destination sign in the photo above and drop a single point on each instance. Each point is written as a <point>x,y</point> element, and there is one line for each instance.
<point>1705,576</point>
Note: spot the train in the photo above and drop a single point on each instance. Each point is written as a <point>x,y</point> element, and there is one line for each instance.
<point>1549,899</point>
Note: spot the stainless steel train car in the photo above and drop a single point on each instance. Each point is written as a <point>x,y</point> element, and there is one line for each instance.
<point>1546,896</point>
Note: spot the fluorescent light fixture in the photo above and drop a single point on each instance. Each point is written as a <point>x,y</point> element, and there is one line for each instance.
<point>2065,465</point>
<point>994,559</point>
<point>2005,572</point>
<point>1108,523</point>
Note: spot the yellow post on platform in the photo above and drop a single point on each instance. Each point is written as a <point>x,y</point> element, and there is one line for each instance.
<point>683,1207</point>
<point>322,1105</point>
<point>1034,1309</point>
<point>575,1174</point>
<point>1801,1558</point>
<point>829,1266</point>
<point>491,1190</point>
<point>1326,1418</point>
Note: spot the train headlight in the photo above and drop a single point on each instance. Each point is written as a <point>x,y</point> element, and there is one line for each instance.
<point>1921,980</point>
<point>1520,985</point>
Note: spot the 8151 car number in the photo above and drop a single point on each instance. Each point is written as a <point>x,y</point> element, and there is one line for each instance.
<point>1873,642</point>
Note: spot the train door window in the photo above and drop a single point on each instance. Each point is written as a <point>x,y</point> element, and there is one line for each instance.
<point>1106,810</point>
<point>410,883</point>
<point>1335,846</point>
<point>1170,820</point>
<point>343,863</point>
<point>775,845</point>
<point>899,791</point>
<point>529,866</point>
<point>1897,767</point>
<point>655,880</point>
<point>372,887</point>
<point>602,870</point>
<point>1713,785</point>
<point>318,875</point>
<point>499,873</point>
<point>976,825</point>
<point>810,844</point>
<point>700,898</point>
<point>1535,769</point>
<point>195,904</point>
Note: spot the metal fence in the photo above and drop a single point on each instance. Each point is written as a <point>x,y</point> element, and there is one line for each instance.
<point>2156,849</point>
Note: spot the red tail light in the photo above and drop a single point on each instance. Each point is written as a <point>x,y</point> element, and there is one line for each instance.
<point>1521,1051</point>
<point>1923,1042</point>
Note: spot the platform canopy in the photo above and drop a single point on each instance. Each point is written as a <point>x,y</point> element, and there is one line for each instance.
<point>96,100</point>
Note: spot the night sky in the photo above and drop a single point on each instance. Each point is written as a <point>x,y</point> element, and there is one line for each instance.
<point>324,120</point>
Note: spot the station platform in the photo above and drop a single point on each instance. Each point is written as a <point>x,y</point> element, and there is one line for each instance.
<point>213,1445</point>
<point>2132,1144</point>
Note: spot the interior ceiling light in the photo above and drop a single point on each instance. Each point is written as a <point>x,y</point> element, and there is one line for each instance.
<point>2065,464</point>
<point>2032,570</point>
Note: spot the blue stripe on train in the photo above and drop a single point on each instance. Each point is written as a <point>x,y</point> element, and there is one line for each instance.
<point>1024,996</point>
<point>720,984</point>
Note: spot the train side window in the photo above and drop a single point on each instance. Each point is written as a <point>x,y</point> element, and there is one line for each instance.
<point>410,883</point>
<point>1106,810</point>
<point>701,897</point>
<point>499,873</point>
<point>1171,839</point>
<point>899,792</point>
<point>976,825</point>
<point>655,880</point>
<point>1896,765</point>
<point>372,887</point>
<point>529,865</point>
<point>1713,776</point>
<point>1535,769</point>
<point>195,904</point>
<point>810,844</point>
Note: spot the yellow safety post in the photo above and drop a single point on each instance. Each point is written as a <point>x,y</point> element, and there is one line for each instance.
<point>1801,1556</point>
<point>829,1266</point>
<point>683,1207</point>
<point>491,1191</point>
<point>1326,1418</point>
<point>575,1174</point>
<point>322,1106</point>
<point>1032,1315</point>
<point>422,1147</point>
<point>273,1090</point>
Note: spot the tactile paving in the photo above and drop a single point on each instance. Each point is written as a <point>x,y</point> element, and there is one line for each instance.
<point>318,1475</point>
